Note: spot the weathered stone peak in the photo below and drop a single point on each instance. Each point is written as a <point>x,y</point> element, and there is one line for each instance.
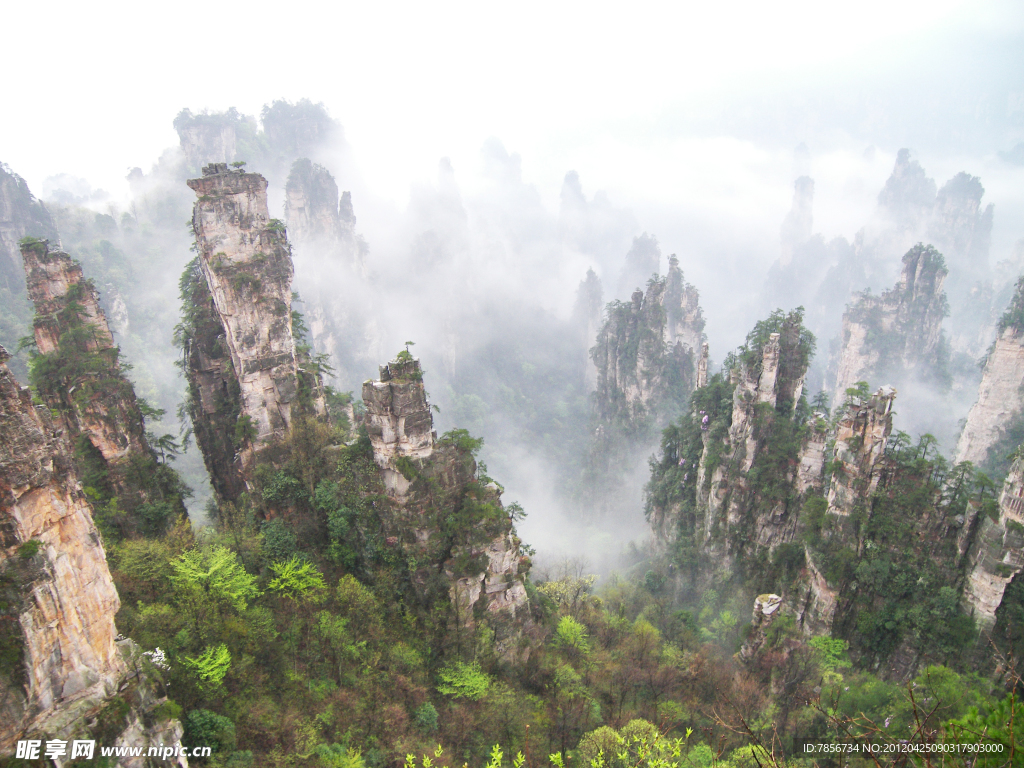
<point>54,281</point>
<point>206,138</point>
<point>999,396</point>
<point>997,554</point>
<point>312,206</point>
<point>96,400</point>
<point>57,594</point>
<point>861,437</point>
<point>684,321</point>
<point>398,417</point>
<point>898,332</point>
<point>908,194</point>
<point>799,222</point>
<point>646,353</point>
<point>246,260</point>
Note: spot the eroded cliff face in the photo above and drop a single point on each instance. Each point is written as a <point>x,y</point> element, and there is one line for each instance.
<point>246,261</point>
<point>206,138</point>
<point>999,400</point>
<point>62,661</point>
<point>314,212</point>
<point>95,398</point>
<point>646,354</point>
<point>587,318</point>
<point>398,421</point>
<point>862,435</point>
<point>331,267</point>
<point>62,628</point>
<point>898,334</point>
<point>213,403</point>
<point>738,518</point>
<point>432,483</point>
<point>21,215</point>
<point>997,554</point>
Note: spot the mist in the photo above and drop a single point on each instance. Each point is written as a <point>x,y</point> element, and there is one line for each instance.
<point>479,203</point>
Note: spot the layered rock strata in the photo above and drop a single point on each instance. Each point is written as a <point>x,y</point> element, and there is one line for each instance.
<point>57,626</point>
<point>726,494</point>
<point>899,332</point>
<point>428,480</point>
<point>859,453</point>
<point>398,421</point>
<point>646,354</point>
<point>999,398</point>
<point>80,375</point>
<point>21,215</point>
<point>998,551</point>
<point>246,261</point>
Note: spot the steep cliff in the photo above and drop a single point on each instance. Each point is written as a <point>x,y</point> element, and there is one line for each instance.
<point>586,315</point>
<point>749,493</point>
<point>898,335</point>
<point>77,372</point>
<point>861,437</point>
<point>865,534</point>
<point>21,215</point>
<point>288,131</point>
<point>245,259</point>
<point>216,138</point>
<point>998,551</point>
<point>331,270</point>
<point>314,212</point>
<point>445,513</point>
<point>994,424</point>
<point>728,485</point>
<point>646,355</point>
<point>62,665</point>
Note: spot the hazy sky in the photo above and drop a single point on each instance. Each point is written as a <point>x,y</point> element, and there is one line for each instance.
<point>608,90</point>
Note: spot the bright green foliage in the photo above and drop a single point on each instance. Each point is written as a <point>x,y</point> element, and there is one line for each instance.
<point>832,654</point>
<point>638,745</point>
<point>572,636</point>
<point>1001,730</point>
<point>464,681</point>
<point>211,666</point>
<point>339,756</point>
<point>215,572</point>
<point>462,440</point>
<point>298,580</point>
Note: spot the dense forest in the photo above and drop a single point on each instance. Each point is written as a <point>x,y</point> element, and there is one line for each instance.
<point>295,545</point>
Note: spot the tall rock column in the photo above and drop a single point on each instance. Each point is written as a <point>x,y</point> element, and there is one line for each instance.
<point>899,332</point>
<point>998,552</point>
<point>646,354</point>
<point>999,397</point>
<point>769,382</point>
<point>246,261</point>
<point>59,597</point>
<point>860,446</point>
<point>398,421</point>
<point>88,386</point>
<point>63,662</point>
<point>431,481</point>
